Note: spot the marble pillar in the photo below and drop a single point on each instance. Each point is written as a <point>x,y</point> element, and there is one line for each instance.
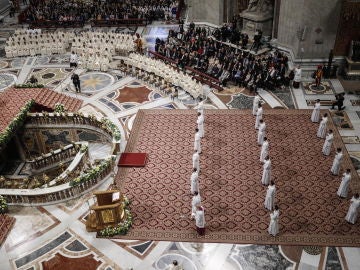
<point>211,11</point>
<point>308,27</point>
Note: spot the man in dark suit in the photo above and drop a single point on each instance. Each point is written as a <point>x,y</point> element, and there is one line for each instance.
<point>339,101</point>
<point>76,81</point>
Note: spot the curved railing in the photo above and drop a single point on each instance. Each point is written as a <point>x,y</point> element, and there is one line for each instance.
<point>59,193</point>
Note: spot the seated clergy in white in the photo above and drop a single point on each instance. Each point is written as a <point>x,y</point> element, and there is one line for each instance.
<point>261,132</point>
<point>315,116</point>
<point>200,124</point>
<point>321,133</point>
<point>264,150</point>
<point>195,202</point>
<point>353,211</point>
<point>270,196</point>
<point>259,116</point>
<point>197,145</point>
<point>274,222</point>
<point>344,185</point>
<point>255,104</point>
<point>266,176</point>
<point>328,142</point>
<point>196,160</point>
<point>335,168</point>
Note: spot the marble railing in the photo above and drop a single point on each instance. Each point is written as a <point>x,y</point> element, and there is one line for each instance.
<point>54,157</point>
<point>56,194</point>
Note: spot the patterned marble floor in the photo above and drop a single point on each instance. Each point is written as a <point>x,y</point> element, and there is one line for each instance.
<point>43,236</point>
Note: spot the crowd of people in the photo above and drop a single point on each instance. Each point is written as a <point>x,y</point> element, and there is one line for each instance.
<point>194,48</point>
<point>84,10</point>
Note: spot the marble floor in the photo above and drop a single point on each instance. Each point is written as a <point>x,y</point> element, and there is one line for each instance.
<point>45,236</point>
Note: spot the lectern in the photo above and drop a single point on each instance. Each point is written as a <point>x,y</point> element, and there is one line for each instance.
<point>107,212</point>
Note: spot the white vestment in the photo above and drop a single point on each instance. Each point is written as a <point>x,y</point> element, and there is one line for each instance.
<point>196,161</point>
<point>335,169</point>
<point>200,108</point>
<point>270,197</point>
<point>352,213</point>
<point>196,201</point>
<point>194,182</point>
<point>297,74</point>
<point>265,180</point>
<point>264,151</point>
<point>200,123</point>
<point>321,133</point>
<point>200,218</point>
<point>327,144</point>
<point>274,223</point>
<point>259,114</point>
<point>261,133</point>
<point>255,105</point>
<point>197,145</point>
<point>315,116</point>
<point>344,185</point>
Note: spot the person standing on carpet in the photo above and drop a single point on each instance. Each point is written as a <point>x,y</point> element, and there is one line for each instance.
<point>255,103</point>
<point>259,116</point>
<point>261,132</point>
<point>264,150</point>
<point>195,202</point>
<point>321,133</point>
<point>196,160</point>
<point>315,116</point>
<point>335,169</point>
<point>353,211</point>
<point>200,123</point>
<point>328,142</point>
<point>194,181</point>
<point>274,222</point>
<point>270,196</point>
<point>265,180</point>
<point>197,145</point>
<point>200,220</point>
<point>344,185</point>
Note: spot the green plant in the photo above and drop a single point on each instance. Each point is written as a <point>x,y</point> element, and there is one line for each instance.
<point>123,227</point>
<point>112,128</point>
<point>3,204</point>
<point>16,123</point>
<point>59,108</point>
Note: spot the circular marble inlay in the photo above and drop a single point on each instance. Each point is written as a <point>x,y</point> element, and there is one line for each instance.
<point>6,80</point>
<point>321,88</point>
<point>48,76</point>
<point>95,81</point>
<point>3,64</point>
<point>165,260</point>
<point>313,250</point>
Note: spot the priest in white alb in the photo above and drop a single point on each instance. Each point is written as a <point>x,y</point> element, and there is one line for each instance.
<point>266,176</point>
<point>261,132</point>
<point>321,133</point>
<point>344,185</point>
<point>200,107</point>
<point>274,222</point>
<point>197,144</point>
<point>200,220</point>
<point>194,179</point>
<point>255,104</point>
<point>353,211</point>
<point>315,116</point>
<point>270,196</point>
<point>328,142</point>
<point>259,116</point>
<point>195,202</point>
<point>200,124</point>
<point>196,160</point>
<point>335,168</point>
<point>264,150</point>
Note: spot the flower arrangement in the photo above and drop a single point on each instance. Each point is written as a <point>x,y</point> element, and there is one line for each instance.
<point>111,127</point>
<point>17,122</point>
<point>59,108</point>
<point>84,148</point>
<point>29,85</point>
<point>123,227</point>
<point>3,205</point>
<point>93,173</point>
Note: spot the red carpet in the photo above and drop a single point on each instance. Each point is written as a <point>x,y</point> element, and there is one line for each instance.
<point>132,160</point>
<point>230,179</point>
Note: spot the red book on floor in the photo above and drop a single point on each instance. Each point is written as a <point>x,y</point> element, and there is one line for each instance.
<point>132,160</point>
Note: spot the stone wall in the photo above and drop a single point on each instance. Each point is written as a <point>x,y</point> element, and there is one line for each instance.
<point>308,24</point>
<point>211,11</point>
